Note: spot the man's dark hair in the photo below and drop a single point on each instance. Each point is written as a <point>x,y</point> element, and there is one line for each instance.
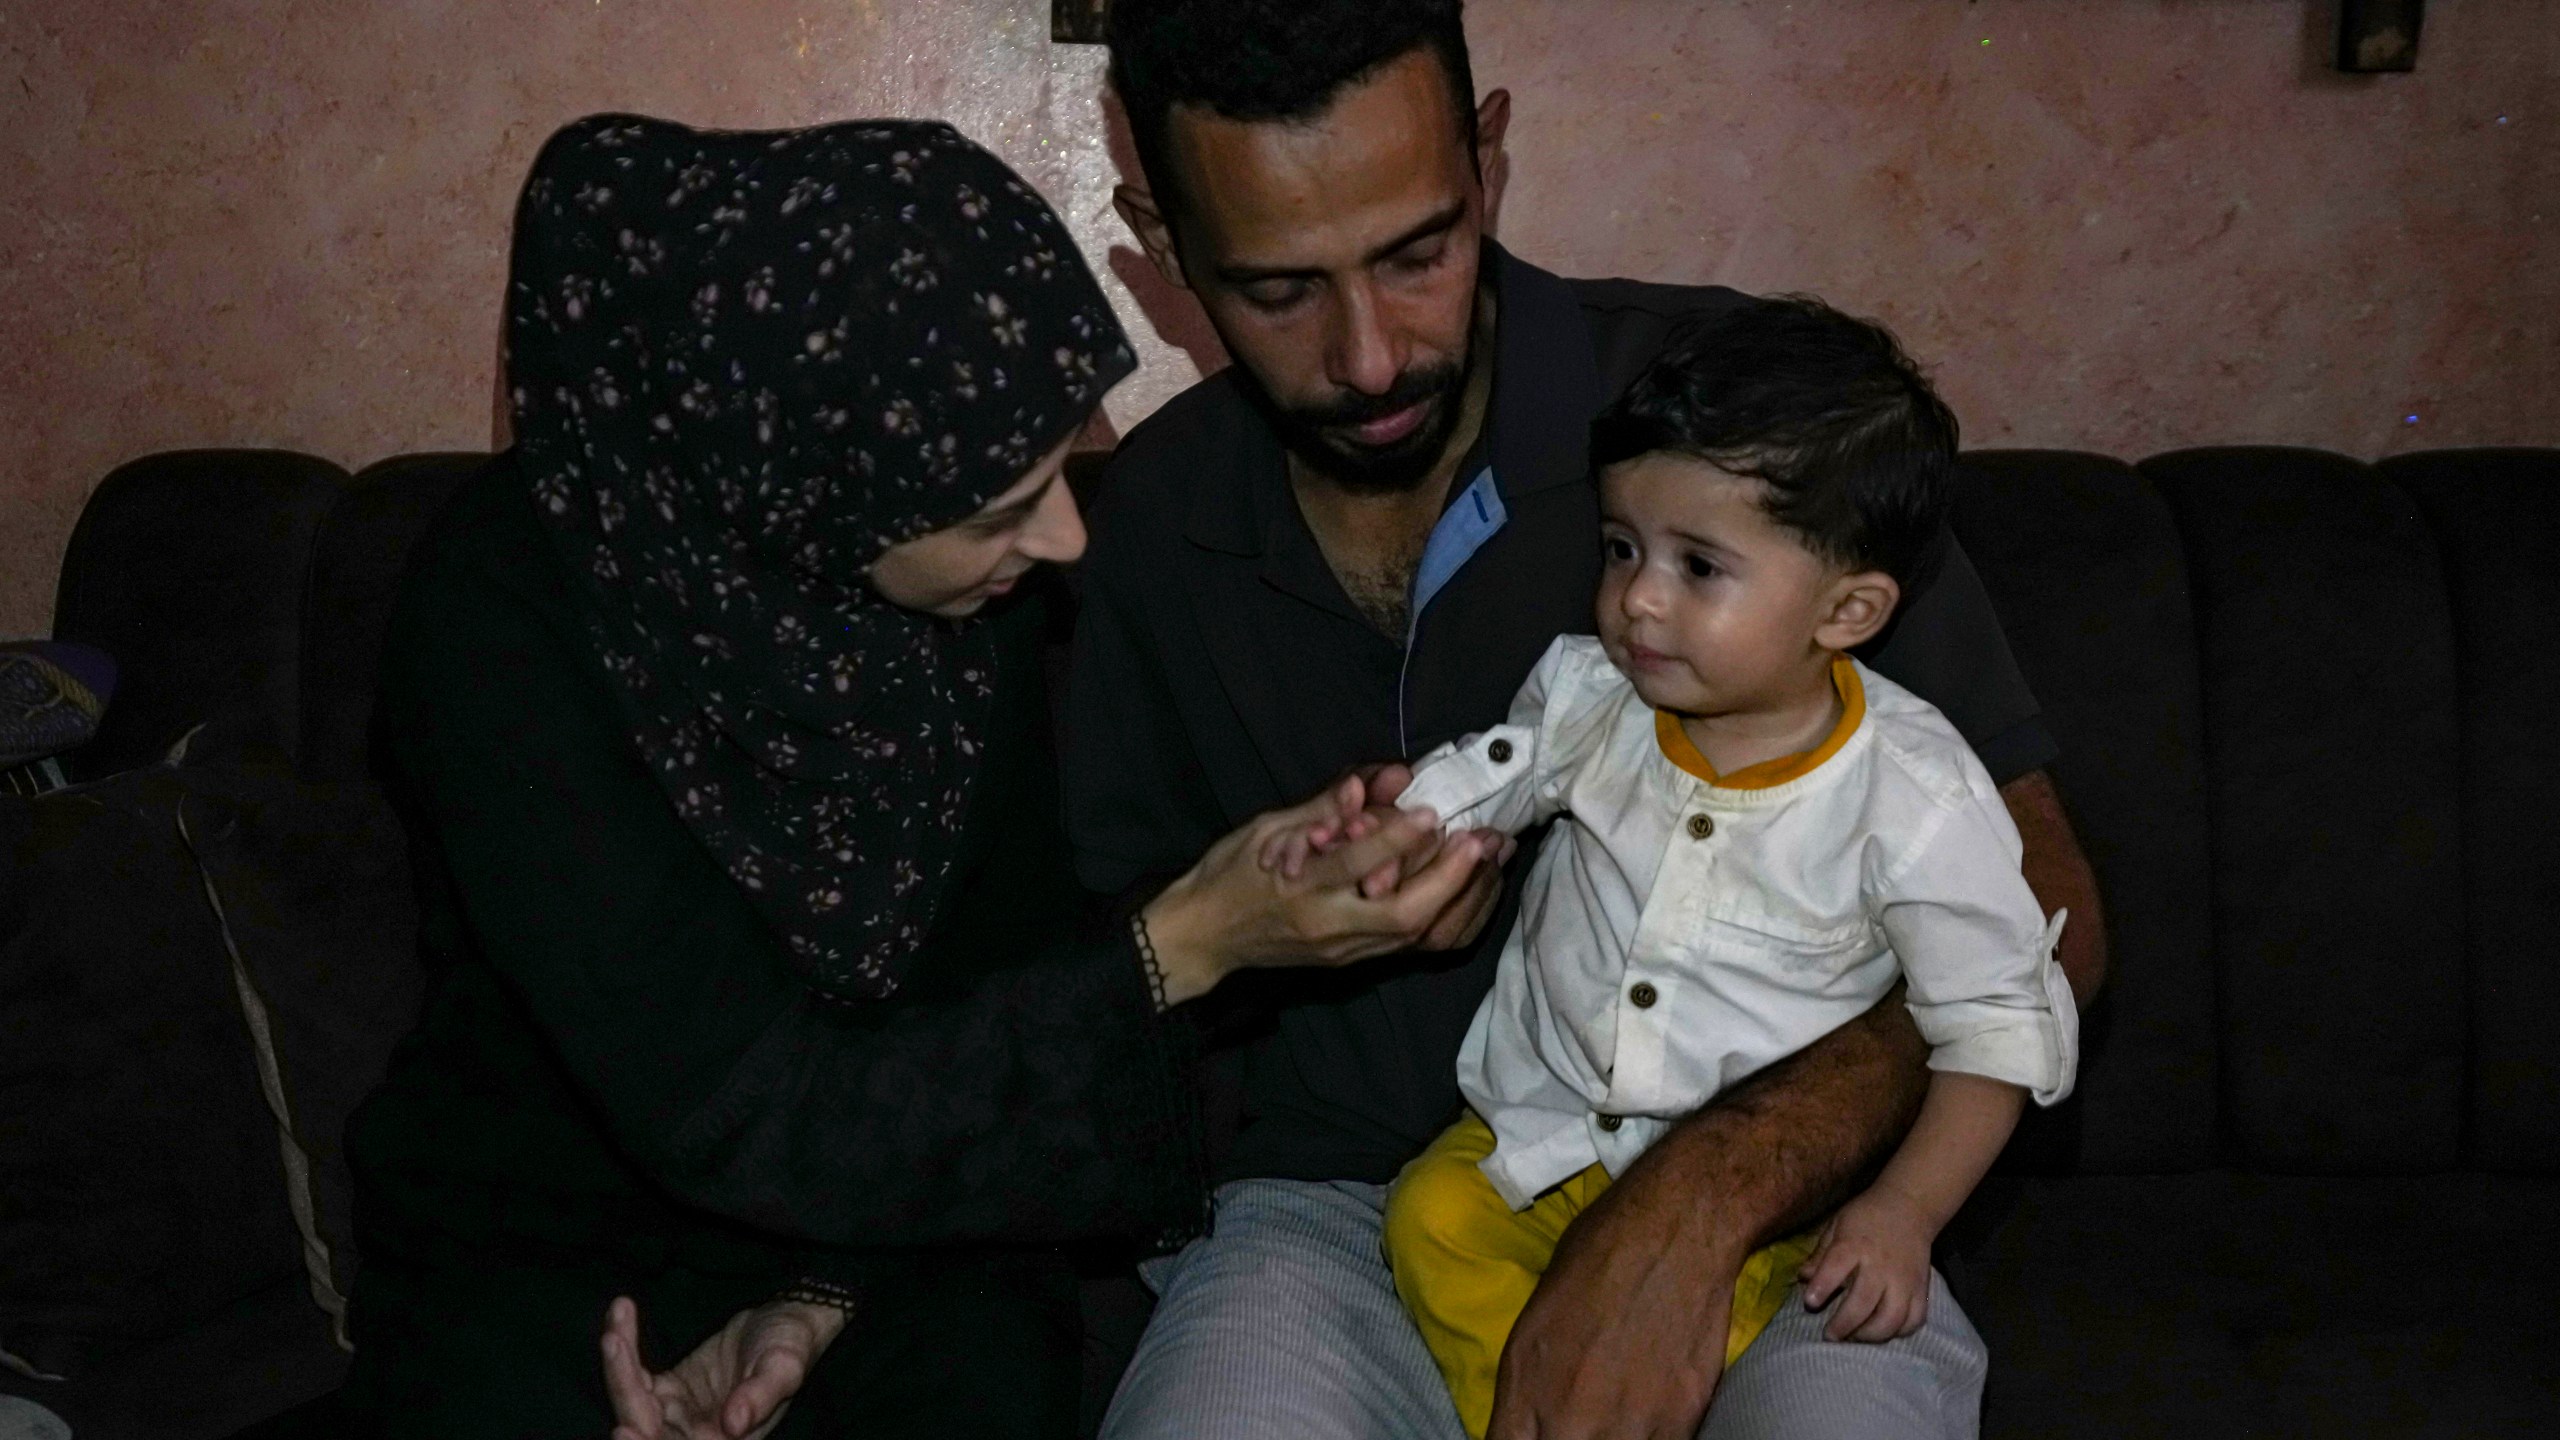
<point>1269,60</point>
<point>1856,452</point>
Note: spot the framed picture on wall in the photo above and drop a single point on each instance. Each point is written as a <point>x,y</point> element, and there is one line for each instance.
<point>1077,22</point>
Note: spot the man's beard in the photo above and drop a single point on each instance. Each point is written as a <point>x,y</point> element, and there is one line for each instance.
<point>1319,435</point>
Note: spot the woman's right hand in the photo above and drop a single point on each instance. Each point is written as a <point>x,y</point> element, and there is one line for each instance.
<point>1385,891</point>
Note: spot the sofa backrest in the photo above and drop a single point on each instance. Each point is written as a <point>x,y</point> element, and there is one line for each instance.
<point>2083,560</point>
<point>2496,518</point>
<point>188,568</point>
<point>2301,702</point>
<point>358,555</point>
<point>2311,785</point>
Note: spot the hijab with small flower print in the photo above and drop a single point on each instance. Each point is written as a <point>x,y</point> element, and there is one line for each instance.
<point>742,365</point>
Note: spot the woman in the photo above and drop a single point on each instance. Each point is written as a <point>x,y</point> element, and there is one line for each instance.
<point>760,975</point>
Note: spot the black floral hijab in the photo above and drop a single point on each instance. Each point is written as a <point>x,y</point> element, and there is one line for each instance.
<point>742,365</point>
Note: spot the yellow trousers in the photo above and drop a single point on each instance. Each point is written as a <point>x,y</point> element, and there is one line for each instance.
<point>1465,1261</point>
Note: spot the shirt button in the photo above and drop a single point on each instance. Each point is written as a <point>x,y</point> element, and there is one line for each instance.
<point>1643,994</point>
<point>1499,752</point>
<point>1611,1123</point>
<point>1701,826</point>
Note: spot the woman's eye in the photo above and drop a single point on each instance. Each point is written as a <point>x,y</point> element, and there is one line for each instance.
<point>1698,566</point>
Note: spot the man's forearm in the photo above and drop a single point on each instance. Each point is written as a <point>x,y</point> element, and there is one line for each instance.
<point>1785,1147</point>
<point>1626,1333</point>
<point>2058,872</point>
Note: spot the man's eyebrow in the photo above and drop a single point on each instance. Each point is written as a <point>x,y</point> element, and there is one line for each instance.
<point>1431,225</point>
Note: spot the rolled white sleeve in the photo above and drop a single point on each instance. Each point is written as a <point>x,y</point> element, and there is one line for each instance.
<point>1509,778</point>
<point>1977,952</point>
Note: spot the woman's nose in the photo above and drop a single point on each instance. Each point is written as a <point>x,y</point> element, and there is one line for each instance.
<point>1055,531</point>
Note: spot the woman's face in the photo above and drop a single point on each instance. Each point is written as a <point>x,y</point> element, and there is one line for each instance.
<point>955,570</point>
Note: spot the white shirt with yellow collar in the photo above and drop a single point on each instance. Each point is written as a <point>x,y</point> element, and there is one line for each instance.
<point>1681,929</point>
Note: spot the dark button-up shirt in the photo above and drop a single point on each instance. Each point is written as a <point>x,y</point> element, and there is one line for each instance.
<point>1221,670</point>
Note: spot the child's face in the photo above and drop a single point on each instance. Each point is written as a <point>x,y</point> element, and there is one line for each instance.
<point>1709,606</point>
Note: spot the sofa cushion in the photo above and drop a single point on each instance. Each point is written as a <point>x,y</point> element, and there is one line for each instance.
<point>319,911</point>
<point>2084,563</point>
<point>188,568</point>
<point>203,969</point>
<point>358,558</point>
<point>51,694</point>
<point>2224,1305</point>
<point>2331,770</point>
<point>2497,515</point>
<point>139,1184</point>
<point>254,1358</point>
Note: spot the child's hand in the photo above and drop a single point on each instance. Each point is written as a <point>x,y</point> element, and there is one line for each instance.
<point>1874,1257</point>
<point>1356,806</point>
<point>1287,851</point>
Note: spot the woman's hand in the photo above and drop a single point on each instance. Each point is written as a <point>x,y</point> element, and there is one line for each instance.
<point>734,1386</point>
<point>1383,891</point>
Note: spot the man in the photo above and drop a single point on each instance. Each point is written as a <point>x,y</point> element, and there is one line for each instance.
<point>1347,548</point>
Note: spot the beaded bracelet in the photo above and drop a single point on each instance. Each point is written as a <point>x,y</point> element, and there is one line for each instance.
<point>809,1290</point>
<point>1147,959</point>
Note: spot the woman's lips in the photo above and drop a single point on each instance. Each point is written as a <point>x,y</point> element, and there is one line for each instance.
<point>1388,429</point>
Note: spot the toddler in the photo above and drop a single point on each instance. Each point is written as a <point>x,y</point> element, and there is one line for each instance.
<point>1757,836</point>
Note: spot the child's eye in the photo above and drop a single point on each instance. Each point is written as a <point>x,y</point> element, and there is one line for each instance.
<point>1618,548</point>
<point>1699,566</point>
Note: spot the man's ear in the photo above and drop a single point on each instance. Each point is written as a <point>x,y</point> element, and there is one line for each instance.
<point>1139,211</point>
<point>1859,604</point>
<point>1493,163</point>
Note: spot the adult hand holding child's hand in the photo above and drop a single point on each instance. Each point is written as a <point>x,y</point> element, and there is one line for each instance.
<point>1379,882</point>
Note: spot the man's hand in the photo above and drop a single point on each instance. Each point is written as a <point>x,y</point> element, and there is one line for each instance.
<point>734,1386</point>
<point>1625,1336</point>
<point>1626,1333</point>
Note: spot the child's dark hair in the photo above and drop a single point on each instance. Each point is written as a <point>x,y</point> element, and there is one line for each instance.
<point>1269,59</point>
<point>1857,453</point>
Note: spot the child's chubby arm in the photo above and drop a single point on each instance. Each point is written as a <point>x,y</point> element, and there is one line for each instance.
<point>1874,1254</point>
<point>1977,957</point>
<point>1505,779</point>
<point>1444,778</point>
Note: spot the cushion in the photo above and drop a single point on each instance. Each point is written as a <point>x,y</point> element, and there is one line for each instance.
<point>203,968</point>
<point>139,1183</point>
<point>51,695</point>
<point>2497,515</point>
<point>2084,564</point>
<point>2331,768</point>
<point>244,1363</point>
<point>2222,1305</point>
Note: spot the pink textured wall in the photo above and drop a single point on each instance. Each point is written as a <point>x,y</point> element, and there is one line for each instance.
<point>2123,225</point>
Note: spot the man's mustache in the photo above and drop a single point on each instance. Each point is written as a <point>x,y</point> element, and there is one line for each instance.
<point>1355,409</point>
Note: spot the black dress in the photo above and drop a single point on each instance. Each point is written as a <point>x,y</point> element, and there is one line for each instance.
<point>620,1086</point>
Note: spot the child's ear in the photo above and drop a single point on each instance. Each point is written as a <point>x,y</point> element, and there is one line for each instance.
<point>1856,608</point>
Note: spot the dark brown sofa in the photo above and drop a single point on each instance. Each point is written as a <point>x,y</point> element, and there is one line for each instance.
<point>2305,1188</point>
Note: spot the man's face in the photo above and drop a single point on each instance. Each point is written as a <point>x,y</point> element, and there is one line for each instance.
<point>1337,258</point>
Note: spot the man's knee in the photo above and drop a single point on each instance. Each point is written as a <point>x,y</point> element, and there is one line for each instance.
<point>1793,1382</point>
